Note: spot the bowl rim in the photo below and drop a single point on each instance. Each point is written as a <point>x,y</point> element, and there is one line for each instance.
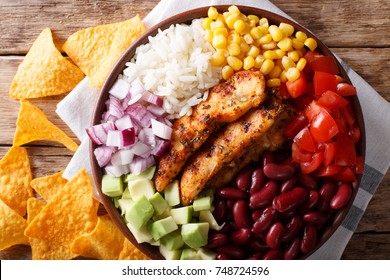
<point>185,18</point>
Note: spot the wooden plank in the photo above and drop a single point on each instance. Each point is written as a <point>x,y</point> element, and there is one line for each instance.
<point>368,246</point>
<point>367,23</point>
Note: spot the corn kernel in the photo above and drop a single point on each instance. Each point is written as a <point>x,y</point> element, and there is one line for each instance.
<point>216,24</point>
<point>218,58</point>
<point>244,47</point>
<point>227,71</point>
<point>209,36</point>
<point>287,29</point>
<point>249,62</point>
<point>269,46</point>
<point>275,32</point>
<point>270,54</point>
<point>265,39</point>
<point>311,44</point>
<point>280,53</point>
<point>233,38</point>
<point>253,51</point>
<point>301,63</point>
<point>275,73</point>
<point>264,22</point>
<point>285,44</point>
<point>251,24</point>
<point>297,44</point>
<point>234,49</point>
<point>267,66</point>
<point>221,31</point>
<point>221,18</point>
<point>275,82</point>
<point>259,60</point>
<point>234,62</point>
<point>283,76</point>
<point>231,20</point>
<point>234,10</point>
<point>279,63</point>
<point>301,36</point>
<point>256,33</point>
<point>294,55</point>
<point>292,74</point>
<point>287,63</point>
<point>263,29</point>
<point>254,18</point>
<point>248,39</point>
<point>206,23</point>
<point>219,42</point>
<point>212,13</point>
<point>239,26</point>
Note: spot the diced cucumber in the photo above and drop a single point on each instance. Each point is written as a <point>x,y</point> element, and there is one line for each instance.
<point>159,203</point>
<point>208,217</point>
<point>165,214</point>
<point>173,241</point>
<point>189,254</point>
<point>126,193</point>
<point>140,212</point>
<point>195,235</point>
<point>172,193</point>
<point>115,200</point>
<point>202,203</point>
<point>139,187</point>
<point>125,205</point>
<point>162,227</point>
<point>112,186</point>
<point>168,254</point>
<point>141,235</point>
<point>182,215</point>
<point>147,174</point>
<point>206,254</point>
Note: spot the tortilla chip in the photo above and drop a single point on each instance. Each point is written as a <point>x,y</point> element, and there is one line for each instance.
<point>44,71</point>
<point>12,226</point>
<point>67,215</point>
<point>15,179</point>
<point>42,249</point>
<point>95,50</point>
<point>130,252</point>
<point>32,124</point>
<point>49,186</point>
<point>105,242</point>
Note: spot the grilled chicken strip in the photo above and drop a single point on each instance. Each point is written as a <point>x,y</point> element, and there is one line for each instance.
<point>226,103</point>
<point>226,145</point>
<point>271,141</point>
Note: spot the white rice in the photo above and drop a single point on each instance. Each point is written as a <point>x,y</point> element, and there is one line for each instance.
<point>175,65</point>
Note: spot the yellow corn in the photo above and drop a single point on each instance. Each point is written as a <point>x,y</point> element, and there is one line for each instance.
<point>311,44</point>
<point>276,33</point>
<point>292,74</point>
<point>221,18</point>
<point>254,18</point>
<point>297,44</point>
<point>285,44</point>
<point>227,71</point>
<point>301,36</point>
<point>287,63</point>
<point>264,22</point>
<point>267,66</point>
<point>234,49</point>
<point>259,60</point>
<point>234,62</point>
<point>287,29</point>
<point>253,51</point>
<point>274,82</point>
<point>212,13</point>
<point>265,39</point>
<point>301,64</point>
<point>249,62</point>
<point>239,26</point>
<point>275,72</point>
<point>270,54</point>
<point>234,10</point>
<point>209,36</point>
<point>248,39</point>
<point>283,76</point>
<point>220,31</point>
<point>263,29</point>
<point>294,55</point>
<point>230,20</point>
<point>234,38</point>
<point>216,24</point>
<point>269,46</point>
<point>256,33</point>
<point>206,23</point>
<point>218,58</point>
<point>244,47</point>
<point>280,53</point>
<point>219,42</point>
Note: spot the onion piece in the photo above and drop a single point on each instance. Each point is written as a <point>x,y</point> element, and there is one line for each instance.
<point>161,130</point>
<point>117,171</point>
<point>156,110</point>
<point>137,88</point>
<point>124,123</point>
<point>103,155</point>
<point>120,88</point>
<point>140,114</point>
<point>146,136</point>
<point>115,107</point>
<point>122,157</point>
<point>120,138</point>
<point>160,148</point>
<point>138,165</point>
<point>141,149</point>
<point>98,133</point>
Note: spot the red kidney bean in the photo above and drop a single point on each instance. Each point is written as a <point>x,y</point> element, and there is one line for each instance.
<point>222,257</point>
<point>274,254</point>
<point>268,157</point>
<point>217,240</point>
<point>256,214</point>
<point>256,256</point>
<point>241,236</point>
<point>290,200</point>
<point>219,210</point>
<point>292,250</point>
<point>309,239</point>
<point>278,171</point>
<point>241,214</point>
<point>288,184</point>
<point>243,179</point>
<point>315,218</point>
<point>258,180</point>
<point>311,202</point>
<point>327,192</point>
<point>258,245</point>
<point>342,197</point>
<point>292,228</point>
<point>307,181</point>
<point>266,219</point>
<point>265,196</point>
<point>231,193</point>
<point>233,251</point>
<point>274,235</point>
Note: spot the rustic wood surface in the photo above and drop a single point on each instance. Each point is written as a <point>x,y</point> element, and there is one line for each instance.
<point>357,31</point>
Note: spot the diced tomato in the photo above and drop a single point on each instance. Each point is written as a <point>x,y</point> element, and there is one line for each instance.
<point>324,64</point>
<point>329,153</point>
<point>355,133</point>
<point>339,79</point>
<point>322,126</point>
<point>341,122</point>
<point>359,167</point>
<point>283,92</point>
<point>312,110</point>
<point>305,141</point>
<point>345,150</point>
<point>345,89</point>
<point>311,55</point>
<point>348,114</point>
<point>313,164</point>
<point>299,155</point>
<point>296,125</point>
<point>309,73</point>
<point>331,100</point>
<point>326,171</point>
<point>344,175</point>
<point>324,81</point>
<point>297,87</point>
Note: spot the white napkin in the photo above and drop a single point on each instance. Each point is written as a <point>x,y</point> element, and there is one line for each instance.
<point>76,110</point>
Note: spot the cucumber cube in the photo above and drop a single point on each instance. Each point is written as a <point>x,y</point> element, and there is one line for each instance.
<point>140,187</point>
<point>168,254</point>
<point>173,241</point>
<point>208,217</point>
<point>162,227</point>
<point>125,205</point>
<point>112,186</point>
<point>195,235</point>
<point>141,235</point>
<point>126,193</point>
<point>206,254</point>
<point>202,203</point>
<point>189,254</point>
<point>147,174</point>
<point>182,215</point>
<point>172,194</point>
<point>140,212</point>
<point>159,203</point>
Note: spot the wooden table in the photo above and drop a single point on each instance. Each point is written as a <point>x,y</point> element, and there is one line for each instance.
<point>357,31</point>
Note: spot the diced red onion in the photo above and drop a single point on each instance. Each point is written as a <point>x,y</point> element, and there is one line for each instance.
<point>160,148</point>
<point>120,138</point>
<point>122,157</point>
<point>115,107</point>
<point>140,114</point>
<point>124,123</point>
<point>120,88</point>
<point>161,130</point>
<point>138,165</point>
<point>134,99</point>
<point>156,110</point>
<point>137,88</point>
<point>117,171</point>
<point>146,136</point>
<point>98,133</point>
<point>103,155</point>
<point>140,149</point>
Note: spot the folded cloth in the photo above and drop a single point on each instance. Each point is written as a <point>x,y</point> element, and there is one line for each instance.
<point>76,110</point>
